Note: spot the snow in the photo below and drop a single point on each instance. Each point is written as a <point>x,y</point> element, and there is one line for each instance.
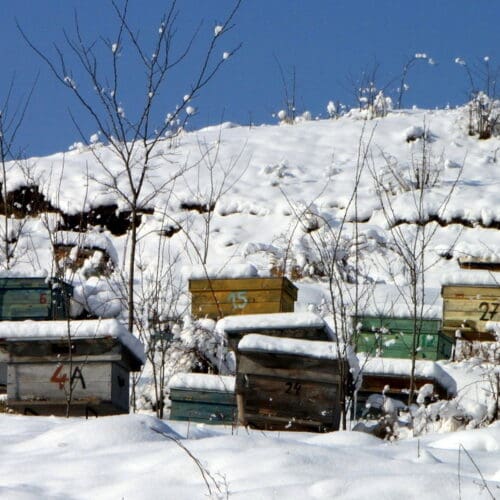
<point>93,240</point>
<point>394,366</point>
<point>230,271</point>
<point>296,347</point>
<point>251,322</point>
<point>140,457</point>
<point>78,329</point>
<point>493,326</point>
<point>477,277</point>
<point>202,382</point>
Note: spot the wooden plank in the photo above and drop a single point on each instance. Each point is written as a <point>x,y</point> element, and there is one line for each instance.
<point>273,365</point>
<point>120,387</point>
<point>243,284</point>
<point>398,384</point>
<point>461,291</point>
<point>395,325</point>
<point>50,382</point>
<point>479,264</point>
<point>203,412</point>
<point>88,409</point>
<point>276,423</point>
<point>430,346</point>
<point>227,296</point>
<point>211,310</point>
<point>199,396</point>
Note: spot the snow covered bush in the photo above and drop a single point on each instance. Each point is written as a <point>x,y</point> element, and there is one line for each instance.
<point>483,107</point>
<point>484,116</point>
<point>193,346</point>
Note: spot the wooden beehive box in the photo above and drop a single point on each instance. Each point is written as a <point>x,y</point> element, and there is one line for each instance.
<point>215,298</point>
<point>468,308</point>
<point>308,326</point>
<point>33,298</point>
<point>198,397</point>
<point>392,377</point>
<point>391,337</point>
<point>288,384</point>
<point>40,367</point>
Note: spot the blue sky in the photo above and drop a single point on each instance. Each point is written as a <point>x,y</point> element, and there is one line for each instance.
<point>328,42</point>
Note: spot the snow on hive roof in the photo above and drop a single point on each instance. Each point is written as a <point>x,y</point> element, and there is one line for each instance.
<point>295,347</point>
<point>476,277</point>
<point>81,329</point>
<point>202,382</point>
<point>393,366</point>
<point>216,272</point>
<point>248,322</point>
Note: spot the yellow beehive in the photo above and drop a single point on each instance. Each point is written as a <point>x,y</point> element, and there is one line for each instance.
<point>468,308</point>
<point>216,298</point>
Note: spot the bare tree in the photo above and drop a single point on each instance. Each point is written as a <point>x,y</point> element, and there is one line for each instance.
<point>289,89</point>
<point>134,140</point>
<point>337,263</point>
<point>411,239</point>
<point>407,66</point>
<point>11,121</point>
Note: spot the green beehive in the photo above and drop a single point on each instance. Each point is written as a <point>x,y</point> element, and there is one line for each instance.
<point>199,397</point>
<point>390,337</point>
<point>33,298</point>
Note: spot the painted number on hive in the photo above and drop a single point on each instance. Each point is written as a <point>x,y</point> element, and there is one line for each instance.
<point>239,300</point>
<point>293,388</point>
<point>59,377</point>
<point>489,310</point>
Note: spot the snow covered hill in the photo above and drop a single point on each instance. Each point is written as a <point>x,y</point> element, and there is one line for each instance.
<point>228,194</point>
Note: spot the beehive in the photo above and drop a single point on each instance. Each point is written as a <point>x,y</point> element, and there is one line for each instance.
<point>467,310</point>
<point>33,298</point>
<point>198,397</point>
<point>390,337</point>
<point>91,364</point>
<point>216,298</point>
<point>307,326</point>
<point>288,384</point>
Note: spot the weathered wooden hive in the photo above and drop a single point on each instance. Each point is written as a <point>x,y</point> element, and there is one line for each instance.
<point>467,309</point>
<point>198,397</point>
<point>48,359</point>
<point>392,377</point>
<point>471,262</point>
<point>307,326</point>
<point>33,298</point>
<point>288,384</point>
<point>391,337</point>
<point>215,298</point>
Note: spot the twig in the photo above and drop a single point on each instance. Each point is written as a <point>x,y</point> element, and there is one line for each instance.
<point>485,484</point>
<point>205,473</point>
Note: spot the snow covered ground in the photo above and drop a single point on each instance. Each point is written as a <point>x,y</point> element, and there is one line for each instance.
<point>135,457</point>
